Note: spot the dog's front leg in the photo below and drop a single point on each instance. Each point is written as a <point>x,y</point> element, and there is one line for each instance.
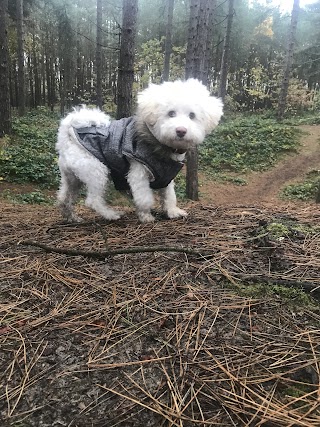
<point>169,202</point>
<point>139,182</point>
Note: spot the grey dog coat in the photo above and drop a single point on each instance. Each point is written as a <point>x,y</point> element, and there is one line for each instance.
<point>115,144</point>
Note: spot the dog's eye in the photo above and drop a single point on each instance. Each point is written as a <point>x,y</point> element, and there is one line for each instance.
<point>192,116</point>
<point>172,114</point>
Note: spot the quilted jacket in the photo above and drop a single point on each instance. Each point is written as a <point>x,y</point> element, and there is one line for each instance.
<point>115,144</point>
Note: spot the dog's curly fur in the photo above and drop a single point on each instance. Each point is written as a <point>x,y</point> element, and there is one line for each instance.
<point>173,116</point>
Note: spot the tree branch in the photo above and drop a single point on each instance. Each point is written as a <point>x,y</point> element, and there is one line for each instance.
<point>104,254</point>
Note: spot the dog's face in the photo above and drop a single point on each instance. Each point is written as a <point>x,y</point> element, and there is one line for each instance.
<point>179,114</point>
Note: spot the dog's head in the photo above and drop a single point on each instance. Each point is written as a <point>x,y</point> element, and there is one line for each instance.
<point>179,114</point>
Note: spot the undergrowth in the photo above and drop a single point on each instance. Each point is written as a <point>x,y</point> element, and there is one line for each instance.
<point>247,144</point>
<point>32,198</point>
<point>28,155</point>
<point>305,190</point>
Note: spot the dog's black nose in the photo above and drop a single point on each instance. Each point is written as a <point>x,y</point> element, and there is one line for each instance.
<point>181,131</point>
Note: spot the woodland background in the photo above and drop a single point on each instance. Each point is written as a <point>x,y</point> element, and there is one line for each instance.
<point>60,51</point>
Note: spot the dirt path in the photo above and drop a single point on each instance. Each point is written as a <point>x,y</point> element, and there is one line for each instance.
<point>265,186</point>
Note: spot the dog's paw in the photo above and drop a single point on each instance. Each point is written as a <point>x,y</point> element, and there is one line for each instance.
<point>111,215</point>
<point>176,213</point>
<point>145,217</point>
<point>73,219</point>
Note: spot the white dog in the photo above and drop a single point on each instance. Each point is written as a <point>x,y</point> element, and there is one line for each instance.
<point>140,153</point>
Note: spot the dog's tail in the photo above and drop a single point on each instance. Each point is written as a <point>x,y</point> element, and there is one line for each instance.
<point>80,118</point>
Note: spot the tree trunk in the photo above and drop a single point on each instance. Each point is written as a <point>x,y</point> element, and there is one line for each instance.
<point>37,76</point>
<point>288,61</point>
<point>209,57</point>
<point>168,45</point>
<point>65,36</point>
<point>126,60</point>
<point>318,193</point>
<point>21,68</point>
<point>225,53</point>
<point>31,82</point>
<point>99,55</point>
<point>5,122</point>
<point>201,13</point>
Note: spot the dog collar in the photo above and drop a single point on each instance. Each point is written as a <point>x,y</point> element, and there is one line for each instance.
<point>177,151</point>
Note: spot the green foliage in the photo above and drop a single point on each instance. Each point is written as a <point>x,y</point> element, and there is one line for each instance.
<point>305,190</point>
<point>277,230</point>
<point>300,98</point>
<point>29,154</point>
<point>34,198</point>
<point>284,228</point>
<point>247,144</point>
<point>306,118</point>
<point>180,186</point>
<point>150,60</point>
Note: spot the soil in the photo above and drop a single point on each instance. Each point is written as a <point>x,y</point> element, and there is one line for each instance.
<point>175,335</point>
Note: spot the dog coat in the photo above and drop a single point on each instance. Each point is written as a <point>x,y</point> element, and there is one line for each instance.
<point>113,145</point>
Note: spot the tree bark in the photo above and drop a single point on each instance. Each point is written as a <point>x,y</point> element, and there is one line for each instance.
<point>21,67</point>
<point>318,193</point>
<point>36,72</point>
<point>5,117</point>
<point>99,55</point>
<point>126,60</point>
<point>201,15</point>
<point>288,60</point>
<point>225,53</point>
<point>168,44</point>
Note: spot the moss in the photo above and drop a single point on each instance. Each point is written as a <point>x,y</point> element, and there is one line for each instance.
<point>289,295</point>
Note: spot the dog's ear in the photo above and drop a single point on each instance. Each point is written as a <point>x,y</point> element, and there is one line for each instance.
<point>147,104</point>
<point>212,111</point>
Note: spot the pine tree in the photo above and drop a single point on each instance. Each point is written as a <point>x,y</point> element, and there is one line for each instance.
<point>99,54</point>
<point>197,63</point>
<point>168,44</point>
<point>288,60</point>
<point>5,122</point>
<point>225,53</point>
<point>126,60</point>
<point>21,67</point>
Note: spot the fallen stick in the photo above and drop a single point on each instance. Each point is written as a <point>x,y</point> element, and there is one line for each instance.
<point>104,254</point>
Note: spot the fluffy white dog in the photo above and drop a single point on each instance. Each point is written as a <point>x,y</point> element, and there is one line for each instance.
<point>140,153</point>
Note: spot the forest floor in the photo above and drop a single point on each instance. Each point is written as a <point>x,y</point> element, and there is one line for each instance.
<point>212,320</point>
